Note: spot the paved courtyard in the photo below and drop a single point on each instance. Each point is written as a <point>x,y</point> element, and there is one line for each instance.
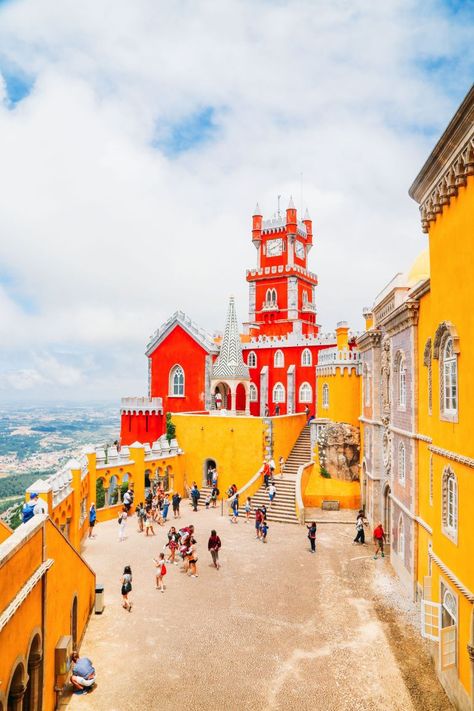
<point>275,628</point>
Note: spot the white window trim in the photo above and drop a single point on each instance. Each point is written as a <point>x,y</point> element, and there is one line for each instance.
<point>449,531</point>
<point>401,527</point>
<point>448,413</point>
<point>173,369</point>
<point>253,389</point>
<point>252,355</point>
<point>307,386</point>
<point>279,365</point>
<point>306,352</point>
<point>325,396</point>
<point>402,385</point>
<point>276,387</point>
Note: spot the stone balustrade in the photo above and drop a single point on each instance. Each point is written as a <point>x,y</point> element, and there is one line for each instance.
<point>141,404</point>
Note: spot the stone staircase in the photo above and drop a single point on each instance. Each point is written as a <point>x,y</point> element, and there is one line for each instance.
<point>300,454</point>
<point>283,509</point>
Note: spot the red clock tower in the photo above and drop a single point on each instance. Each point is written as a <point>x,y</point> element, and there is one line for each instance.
<point>281,289</point>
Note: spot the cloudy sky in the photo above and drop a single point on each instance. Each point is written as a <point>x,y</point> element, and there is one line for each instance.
<point>136,137</point>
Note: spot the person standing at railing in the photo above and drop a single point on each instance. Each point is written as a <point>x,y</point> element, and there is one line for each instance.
<point>92,519</point>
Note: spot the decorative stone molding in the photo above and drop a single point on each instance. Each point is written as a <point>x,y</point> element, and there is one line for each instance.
<point>369,339</point>
<point>449,165</point>
<point>454,456</point>
<point>445,328</point>
<point>385,372</point>
<point>427,353</point>
<point>470,651</point>
<point>403,317</point>
<point>451,576</point>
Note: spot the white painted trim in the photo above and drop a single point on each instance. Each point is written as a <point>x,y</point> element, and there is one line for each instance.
<point>23,593</point>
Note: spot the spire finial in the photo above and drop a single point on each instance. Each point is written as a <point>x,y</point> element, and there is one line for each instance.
<point>291,205</point>
<point>306,215</point>
<point>257,211</point>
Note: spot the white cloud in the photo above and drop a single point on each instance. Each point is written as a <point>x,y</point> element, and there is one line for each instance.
<point>106,236</point>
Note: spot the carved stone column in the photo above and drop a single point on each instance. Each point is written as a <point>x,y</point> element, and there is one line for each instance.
<point>15,697</point>
<point>34,686</point>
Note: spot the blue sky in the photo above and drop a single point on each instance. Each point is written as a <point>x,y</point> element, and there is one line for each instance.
<point>134,150</point>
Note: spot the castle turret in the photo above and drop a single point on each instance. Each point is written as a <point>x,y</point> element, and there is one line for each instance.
<point>291,223</point>
<point>308,223</point>
<point>257,227</point>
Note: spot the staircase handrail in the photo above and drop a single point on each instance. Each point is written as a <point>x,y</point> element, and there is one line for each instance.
<point>299,505</point>
<point>245,486</point>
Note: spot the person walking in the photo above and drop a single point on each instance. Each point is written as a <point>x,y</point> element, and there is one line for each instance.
<point>312,536</point>
<point>213,545</point>
<point>160,572</point>
<point>258,522</point>
<point>126,588</point>
<point>360,523</point>
<point>214,494</point>
<point>92,519</point>
<point>266,473</point>
<point>176,500</point>
<point>191,558</point>
<point>122,520</point>
<point>149,524</point>
<point>195,495</point>
<point>263,531</point>
<point>166,505</point>
<point>235,509</point>
<point>173,538</point>
<point>271,492</point>
<point>379,540</point>
<point>248,509</point>
<point>282,466</point>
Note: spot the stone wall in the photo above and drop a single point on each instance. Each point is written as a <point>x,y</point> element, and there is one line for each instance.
<point>339,451</point>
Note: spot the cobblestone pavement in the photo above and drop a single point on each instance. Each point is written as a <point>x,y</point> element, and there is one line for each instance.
<point>275,628</point>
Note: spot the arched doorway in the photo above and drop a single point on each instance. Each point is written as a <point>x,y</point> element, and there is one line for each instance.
<point>147,480</point>
<point>74,622</point>
<point>240,398</point>
<point>222,397</point>
<point>32,698</point>
<point>16,690</point>
<point>387,512</point>
<point>207,466</point>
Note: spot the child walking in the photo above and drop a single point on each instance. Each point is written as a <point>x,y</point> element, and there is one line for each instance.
<point>160,572</point>
<point>248,509</point>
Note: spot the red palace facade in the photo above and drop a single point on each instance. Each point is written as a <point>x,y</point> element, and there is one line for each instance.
<point>280,344</point>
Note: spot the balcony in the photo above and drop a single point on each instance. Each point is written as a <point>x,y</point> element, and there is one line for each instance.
<point>142,404</point>
<point>269,306</point>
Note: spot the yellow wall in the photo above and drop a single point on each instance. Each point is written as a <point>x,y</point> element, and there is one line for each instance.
<point>344,397</point>
<point>319,489</point>
<point>5,531</point>
<point>450,299</point>
<point>68,576</point>
<point>236,444</point>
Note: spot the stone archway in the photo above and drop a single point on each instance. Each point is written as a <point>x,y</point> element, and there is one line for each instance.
<point>207,464</point>
<point>17,688</point>
<point>222,397</point>
<point>33,692</point>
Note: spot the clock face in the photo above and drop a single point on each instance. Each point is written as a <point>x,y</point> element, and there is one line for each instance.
<point>300,249</point>
<point>274,247</point>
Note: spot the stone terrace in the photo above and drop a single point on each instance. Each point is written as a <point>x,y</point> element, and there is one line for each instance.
<point>275,628</point>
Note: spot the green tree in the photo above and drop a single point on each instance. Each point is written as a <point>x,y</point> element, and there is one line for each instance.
<point>170,428</point>
<point>99,494</point>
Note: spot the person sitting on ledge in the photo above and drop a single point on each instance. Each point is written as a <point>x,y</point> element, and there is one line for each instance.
<point>82,673</point>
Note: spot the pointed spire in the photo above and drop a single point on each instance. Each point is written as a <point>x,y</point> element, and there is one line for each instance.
<point>291,205</point>
<point>306,215</point>
<point>229,362</point>
<point>257,211</point>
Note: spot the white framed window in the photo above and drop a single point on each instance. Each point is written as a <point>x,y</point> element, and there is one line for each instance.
<point>271,297</point>
<point>279,359</point>
<point>402,384</point>
<point>448,628</point>
<point>401,463</point>
<point>325,395</point>
<point>252,359</point>
<point>253,393</point>
<point>449,379</point>
<point>278,393</point>
<point>427,361</point>
<point>306,393</point>
<point>401,537</point>
<point>176,381</point>
<point>306,357</point>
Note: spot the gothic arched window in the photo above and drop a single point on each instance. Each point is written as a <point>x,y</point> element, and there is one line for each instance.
<point>449,378</point>
<point>176,381</point>
<point>306,393</point>
<point>279,359</point>
<point>253,393</point>
<point>401,537</point>
<point>402,382</point>
<point>278,393</point>
<point>252,360</point>
<point>325,395</point>
<point>450,503</point>
<point>306,357</point>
